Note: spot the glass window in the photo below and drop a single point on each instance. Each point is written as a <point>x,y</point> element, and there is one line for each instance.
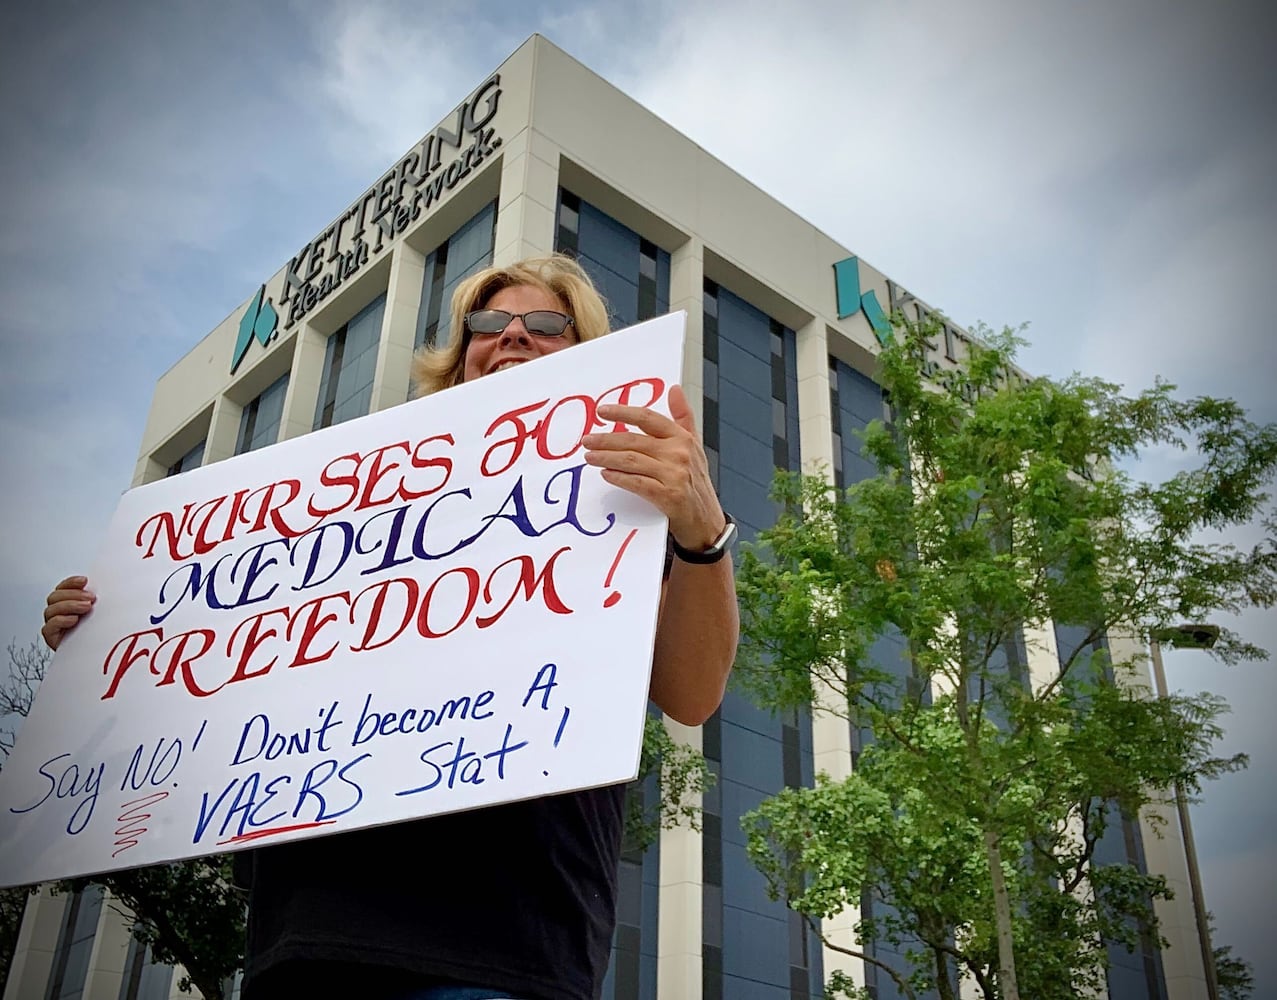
<point>144,979</point>
<point>463,253</point>
<point>778,418</point>
<point>350,361</point>
<point>631,273</point>
<point>259,423</point>
<point>193,459</point>
<point>569,223</point>
<point>791,763</point>
<point>75,945</point>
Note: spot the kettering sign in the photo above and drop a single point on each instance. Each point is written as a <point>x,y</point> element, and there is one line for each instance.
<point>380,215</point>
<point>938,366</point>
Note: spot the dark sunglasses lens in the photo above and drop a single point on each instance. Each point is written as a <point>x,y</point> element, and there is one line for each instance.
<point>546,323</point>
<point>489,320</point>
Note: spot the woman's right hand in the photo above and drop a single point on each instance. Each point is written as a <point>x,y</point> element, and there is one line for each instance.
<point>68,602</point>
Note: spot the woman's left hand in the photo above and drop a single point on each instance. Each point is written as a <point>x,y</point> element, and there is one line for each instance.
<point>665,465</point>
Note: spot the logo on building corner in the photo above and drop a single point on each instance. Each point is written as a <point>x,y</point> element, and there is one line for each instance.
<point>260,321</point>
<point>851,300</point>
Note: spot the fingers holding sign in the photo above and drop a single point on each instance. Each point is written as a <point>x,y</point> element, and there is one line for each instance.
<point>66,604</point>
<point>665,464</point>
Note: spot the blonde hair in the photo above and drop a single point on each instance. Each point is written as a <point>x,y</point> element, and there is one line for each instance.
<point>435,368</point>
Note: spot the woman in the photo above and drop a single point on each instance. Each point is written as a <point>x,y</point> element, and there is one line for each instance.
<point>516,900</point>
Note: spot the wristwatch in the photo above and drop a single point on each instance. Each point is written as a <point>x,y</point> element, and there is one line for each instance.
<point>712,554</point>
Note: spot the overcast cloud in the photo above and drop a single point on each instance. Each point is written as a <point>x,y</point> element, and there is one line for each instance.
<point>1102,172</point>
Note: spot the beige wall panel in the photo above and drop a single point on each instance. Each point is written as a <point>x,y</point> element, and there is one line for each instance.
<point>1164,853</point>
<point>32,962</point>
<point>110,949</point>
<point>398,329</point>
<point>678,950</point>
<point>1043,654</point>
<point>541,182</point>
<point>303,385</point>
<point>840,930</point>
<point>815,418</point>
<point>193,382</point>
<point>224,430</point>
<point>687,277</point>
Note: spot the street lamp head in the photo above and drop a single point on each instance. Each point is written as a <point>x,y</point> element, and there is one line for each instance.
<point>1188,636</point>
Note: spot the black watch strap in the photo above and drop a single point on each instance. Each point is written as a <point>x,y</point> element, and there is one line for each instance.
<point>712,554</point>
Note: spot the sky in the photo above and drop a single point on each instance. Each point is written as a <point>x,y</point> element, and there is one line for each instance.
<point>1102,172</point>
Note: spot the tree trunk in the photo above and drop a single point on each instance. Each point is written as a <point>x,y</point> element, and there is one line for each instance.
<point>944,986</point>
<point>1002,915</point>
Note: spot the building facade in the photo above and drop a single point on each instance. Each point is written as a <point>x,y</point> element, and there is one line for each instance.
<point>783,326</point>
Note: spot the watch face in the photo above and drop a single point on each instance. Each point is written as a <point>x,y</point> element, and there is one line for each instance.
<point>728,538</point>
<point>715,552</point>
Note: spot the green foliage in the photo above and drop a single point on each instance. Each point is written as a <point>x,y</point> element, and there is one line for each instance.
<point>1233,974</point>
<point>1000,510</point>
<point>189,913</point>
<point>13,902</point>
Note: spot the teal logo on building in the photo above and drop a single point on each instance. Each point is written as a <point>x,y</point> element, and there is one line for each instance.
<point>260,322</point>
<point>851,300</point>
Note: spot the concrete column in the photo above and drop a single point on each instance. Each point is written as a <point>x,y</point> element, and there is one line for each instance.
<point>831,755</point>
<point>398,328</point>
<point>110,949</point>
<point>1164,854</point>
<point>37,941</point>
<point>1165,847</point>
<point>678,962</point>
<point>1043,655</point>
<point>1169,850</point>
<point>678,950</point>
<point>687,292</point>
<point>303,383</point>
<point>147,470</point>
<point>528,199</point>
<point>223,430</point>
<point>830,730</point>
<point>815,418</point>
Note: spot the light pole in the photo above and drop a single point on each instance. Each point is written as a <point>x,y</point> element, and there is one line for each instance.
<point>1190,637</point>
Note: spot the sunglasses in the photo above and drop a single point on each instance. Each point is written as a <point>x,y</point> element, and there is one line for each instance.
<point>541,322</point>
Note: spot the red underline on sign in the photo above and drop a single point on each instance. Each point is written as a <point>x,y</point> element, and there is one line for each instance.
<point>258,834</point>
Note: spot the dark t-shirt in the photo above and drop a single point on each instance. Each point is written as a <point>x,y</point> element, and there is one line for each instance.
<point>518,897</point>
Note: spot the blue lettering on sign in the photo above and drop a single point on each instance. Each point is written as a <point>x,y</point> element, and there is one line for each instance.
<point>69,782</point>
<point>249,803</point>
<point>387,722</point>
<point>257,739</point>
<point>462,765</point>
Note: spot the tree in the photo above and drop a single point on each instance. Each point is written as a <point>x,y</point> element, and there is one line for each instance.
<point>1001,517</point>
<point>1235,979</point>
<point>189,912</point>
<point>1233,973</point>
<point>26,670</point>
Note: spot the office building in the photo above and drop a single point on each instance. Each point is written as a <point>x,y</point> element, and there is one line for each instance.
<point>783,326</point>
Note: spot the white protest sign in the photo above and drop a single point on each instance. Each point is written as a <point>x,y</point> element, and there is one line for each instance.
<point>433,608</point>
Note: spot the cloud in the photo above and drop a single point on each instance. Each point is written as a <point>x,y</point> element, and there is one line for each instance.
<point>387,74</point>
<point>1100,171</point>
